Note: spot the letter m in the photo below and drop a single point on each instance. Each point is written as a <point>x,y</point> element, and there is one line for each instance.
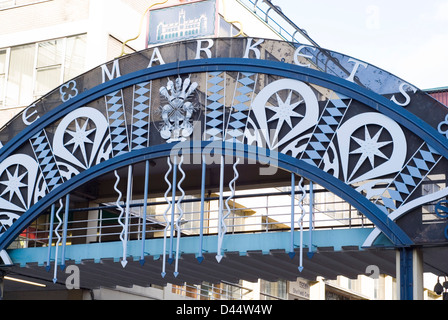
<point>115,73</point>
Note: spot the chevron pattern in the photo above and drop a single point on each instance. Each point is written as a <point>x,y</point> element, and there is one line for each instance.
<point>141,115</point>
<point>407,181</point>
<point>214,117</point>
<point>241,106</point>
<point>117,123</point>
<point>325,131</point>
<point>47,162</point>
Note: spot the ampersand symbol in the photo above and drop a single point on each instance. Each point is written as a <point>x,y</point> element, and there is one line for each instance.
<point>443,127</point>
<point>68,91</point>
<point>441,209</point>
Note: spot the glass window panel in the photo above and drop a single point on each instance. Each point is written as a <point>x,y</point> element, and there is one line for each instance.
<point>46,80</point>
<point>75,57</point>
<point>20,76</point>
<point>2,75</point>
<point>50,53</point>
<point>2,61</point>
<point>7,3</point>
<point>2,85</point>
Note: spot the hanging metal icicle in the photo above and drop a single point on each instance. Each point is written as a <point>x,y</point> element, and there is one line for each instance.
<point>58,242</point>
<point>179,221</point>
<point>222,223</point>
<point>167,224</point>
<point>300,222</point>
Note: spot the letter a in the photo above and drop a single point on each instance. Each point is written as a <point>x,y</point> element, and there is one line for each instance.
<point>156,56</point>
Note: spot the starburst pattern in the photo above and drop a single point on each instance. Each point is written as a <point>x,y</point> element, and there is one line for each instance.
<point>369,148</point>
<point>13,185</point>
<point>80,137</point>
<point>284,111</point>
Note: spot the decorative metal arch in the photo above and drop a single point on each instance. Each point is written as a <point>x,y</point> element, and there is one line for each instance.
<point>327,123</point>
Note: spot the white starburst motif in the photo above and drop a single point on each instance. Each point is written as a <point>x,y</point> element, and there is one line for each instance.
<point>284,111</point>
<point>80,138</point>
<point>369,148</point>
<point>13,185</point>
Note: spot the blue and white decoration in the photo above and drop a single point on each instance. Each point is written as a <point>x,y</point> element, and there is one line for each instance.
<point>363,150</point>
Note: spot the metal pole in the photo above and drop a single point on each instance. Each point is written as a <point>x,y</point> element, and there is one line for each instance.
<point>220,213</point>
<point>311,217</point>
<point>126,221</point>
<point>201,227</point>
<point>145,212</point>
<point>293,197</point>
<point>64,235</point>
<point>50,237</point>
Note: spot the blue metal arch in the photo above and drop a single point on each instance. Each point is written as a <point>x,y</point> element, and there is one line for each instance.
<point>369,98</point>
<point>350,89</point>
<point>299,167</point>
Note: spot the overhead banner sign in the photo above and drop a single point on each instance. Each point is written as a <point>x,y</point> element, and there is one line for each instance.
<point>191,20</point>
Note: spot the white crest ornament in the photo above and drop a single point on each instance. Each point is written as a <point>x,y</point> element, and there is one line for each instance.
<point>177,112</point>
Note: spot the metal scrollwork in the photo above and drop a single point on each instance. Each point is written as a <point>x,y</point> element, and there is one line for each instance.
<point>176,114</point>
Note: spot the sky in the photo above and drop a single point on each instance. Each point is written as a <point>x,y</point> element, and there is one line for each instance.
<point>408,38</point>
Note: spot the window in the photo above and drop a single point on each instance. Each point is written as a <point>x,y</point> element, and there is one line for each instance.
<point>7,4</point>
<point>49,66</point>
<point>29,71</point>
<point>273,290</point>
<point>3,54</point>
<point>20,76</point>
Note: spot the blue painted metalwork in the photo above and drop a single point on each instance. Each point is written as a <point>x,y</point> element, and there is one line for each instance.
<point>241,106</point>
<point>145,212</point>
<point>293,198</point>
<point>352,90</point>
<point>234,242</point>
<point>299,167</point>
<point>46,159</point>
<point>418,167</point>
<point>214,117</point>
<point>442,212</point>
<point>201,223</point>
<point>406,274</point>
<point>325,130</point>
<point>50,236</point>
<point>311,222</point>
<point>64,233</point>
<point>433,138</point>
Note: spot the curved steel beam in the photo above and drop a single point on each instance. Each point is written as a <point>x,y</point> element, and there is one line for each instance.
<point>299,167</point>
<point>352,90</point>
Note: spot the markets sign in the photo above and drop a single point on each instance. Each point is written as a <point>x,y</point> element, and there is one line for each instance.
<point>182,22</point>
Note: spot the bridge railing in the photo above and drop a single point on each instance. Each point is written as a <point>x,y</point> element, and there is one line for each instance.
<point>249,211</point>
